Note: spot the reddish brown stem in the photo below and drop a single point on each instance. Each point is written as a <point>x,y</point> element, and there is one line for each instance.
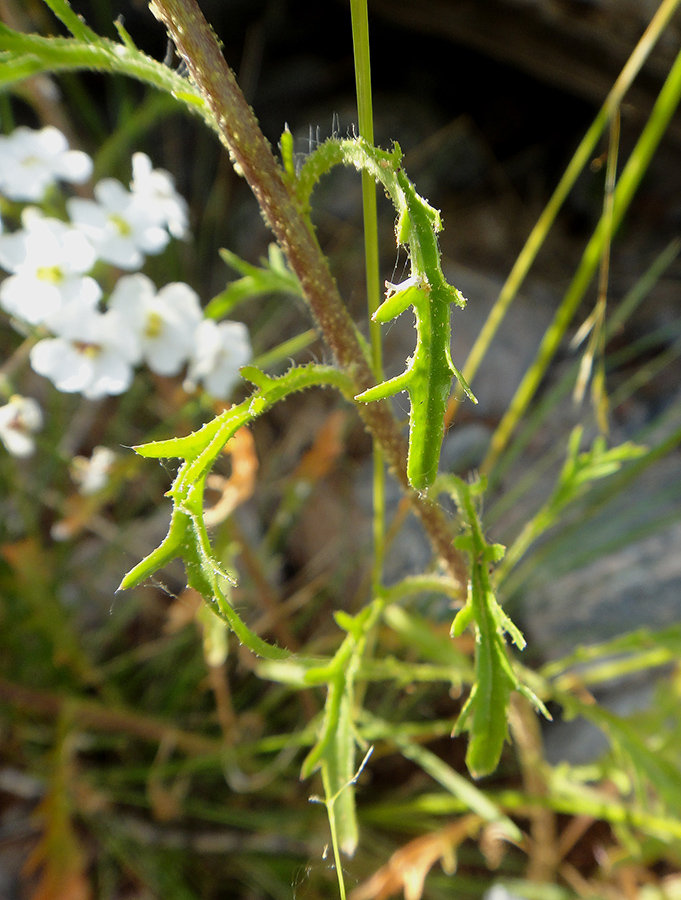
<point>253,158</point>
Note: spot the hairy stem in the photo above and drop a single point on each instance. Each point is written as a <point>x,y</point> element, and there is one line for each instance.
<point>253,158</point>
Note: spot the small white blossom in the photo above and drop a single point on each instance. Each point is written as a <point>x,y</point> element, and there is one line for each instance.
<point>91,475</point>
<point>163,323</point>
<point>220,350</point>
<point>31,161</point>
<point>118,224</point>
<point>19,420</point>
<point>48,259</point>
<point>92,353</point>
<point>155,188</point>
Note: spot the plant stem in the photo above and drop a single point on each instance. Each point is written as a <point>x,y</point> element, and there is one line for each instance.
<point>253,158</point>
<point>365,114</point>
<point>360,44</point>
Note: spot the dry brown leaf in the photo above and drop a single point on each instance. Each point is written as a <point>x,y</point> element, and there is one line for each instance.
<point>57,857</point>
<point>31,562</point>
<point>78,514</point>
<point>327,447</point>
<point>62,886</point>
<point>493,843</point>
<point>407,868</point>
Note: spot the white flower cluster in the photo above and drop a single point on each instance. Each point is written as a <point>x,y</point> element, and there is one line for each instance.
<point>94,346</point>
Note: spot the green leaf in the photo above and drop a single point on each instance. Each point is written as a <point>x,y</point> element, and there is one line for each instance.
<point>273,277</point>
<point>430,370</point>
<point>660,772</point>
<point>579,471</point>
<point>485,713</point>
<point>287,156</point>
<point>338,775</point>
<point>420,634</point>
<point>75,24</point>
<point>29,54</point>
<point>460,787</point>
<point>187,537</point>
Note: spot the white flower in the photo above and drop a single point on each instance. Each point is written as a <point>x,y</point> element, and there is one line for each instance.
<point>19,420</point>
<point>48,259</point>
<point>31,161</point>
<point>93,353</point>
<point>163,323</point>
<point>118,224</point>
<point>220,350</point>
<point>155,188</point>
<point>91,475</point>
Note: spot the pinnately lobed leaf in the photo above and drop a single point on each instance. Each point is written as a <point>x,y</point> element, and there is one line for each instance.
<point>430,371</point>
<point>187,537</point>
<point>427,378</point>
<point>485,713</point>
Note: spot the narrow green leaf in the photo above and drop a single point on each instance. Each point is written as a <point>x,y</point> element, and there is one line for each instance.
<point>474,799</point>
<point>660,772</point>
<point>339,776</point>
<point>273,277</point>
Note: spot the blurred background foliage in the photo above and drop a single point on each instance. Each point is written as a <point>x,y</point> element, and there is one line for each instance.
<point>139,759</point>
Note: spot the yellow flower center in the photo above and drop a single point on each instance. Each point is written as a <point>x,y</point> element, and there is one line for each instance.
<point>119,222</point>
<point>86,349</point>
<point>154,325</point>
<point>53,274</point>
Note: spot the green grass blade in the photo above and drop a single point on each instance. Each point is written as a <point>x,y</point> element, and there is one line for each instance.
<point>545,222</point>
<point>630,179</point>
